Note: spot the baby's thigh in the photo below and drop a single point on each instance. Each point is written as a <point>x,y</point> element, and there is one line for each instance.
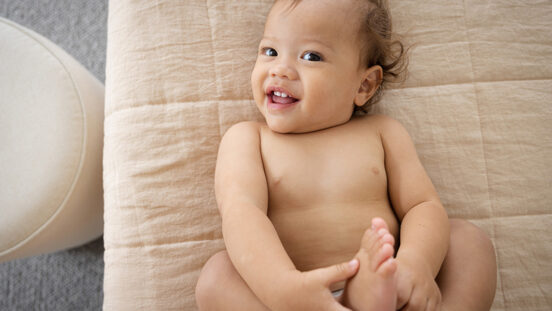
<point>220,287</point>
<point>468,275</point>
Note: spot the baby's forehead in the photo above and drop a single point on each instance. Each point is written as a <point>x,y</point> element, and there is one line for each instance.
<point>318,19</point>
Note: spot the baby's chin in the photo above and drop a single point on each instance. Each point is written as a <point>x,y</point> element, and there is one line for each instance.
<point>295,128</point>
<point>279,128</point>
<point>286,124</point>
<point>282,127</point>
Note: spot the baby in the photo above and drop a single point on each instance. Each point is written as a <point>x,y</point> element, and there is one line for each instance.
<point>315,200</point>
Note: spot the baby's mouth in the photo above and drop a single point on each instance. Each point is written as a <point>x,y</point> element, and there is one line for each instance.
<point>281,98</point>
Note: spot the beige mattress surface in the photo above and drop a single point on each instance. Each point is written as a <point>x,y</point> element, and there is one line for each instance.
<point>477,102</point>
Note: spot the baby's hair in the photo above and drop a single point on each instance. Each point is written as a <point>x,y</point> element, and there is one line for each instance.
<point>378,46</point>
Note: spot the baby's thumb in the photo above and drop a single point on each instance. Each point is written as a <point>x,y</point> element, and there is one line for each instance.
<point>339,272</point>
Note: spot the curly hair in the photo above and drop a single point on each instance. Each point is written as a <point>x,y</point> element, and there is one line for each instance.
<point>380,47</point>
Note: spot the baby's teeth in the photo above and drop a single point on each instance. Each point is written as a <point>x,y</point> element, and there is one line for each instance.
<point>281,94</point>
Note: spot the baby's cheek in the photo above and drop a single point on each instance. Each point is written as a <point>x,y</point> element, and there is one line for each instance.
<point>257,89</point>
<point>256,77</point>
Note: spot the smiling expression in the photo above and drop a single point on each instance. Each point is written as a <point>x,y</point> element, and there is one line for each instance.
<point>308,75</point>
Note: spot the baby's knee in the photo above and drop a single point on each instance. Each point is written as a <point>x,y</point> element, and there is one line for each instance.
<point>463,230</point>
<point>209,279</point>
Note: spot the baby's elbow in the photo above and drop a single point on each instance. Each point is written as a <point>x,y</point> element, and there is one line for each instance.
<point>208,288</point>
<point>427,207</point>
<point>439,213</point>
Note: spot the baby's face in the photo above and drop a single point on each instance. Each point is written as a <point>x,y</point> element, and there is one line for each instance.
<point>307,71</point>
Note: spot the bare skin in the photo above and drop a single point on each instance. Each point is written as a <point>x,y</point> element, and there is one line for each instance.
<point>319,221</point>
<point>296,194</point>
<point>465,284</point>
<point>377,267</point>
<point>459,280</point>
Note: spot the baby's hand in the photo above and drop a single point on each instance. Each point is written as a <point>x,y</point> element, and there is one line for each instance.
<point>416,288</point>
<point>311,290</point>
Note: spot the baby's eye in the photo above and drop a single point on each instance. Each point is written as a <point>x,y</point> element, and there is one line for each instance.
<point>269,52</point>
<point>311,57</point>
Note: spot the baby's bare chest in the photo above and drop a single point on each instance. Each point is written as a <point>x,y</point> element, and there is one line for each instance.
<point>336,166</point>
<point>323,189</point>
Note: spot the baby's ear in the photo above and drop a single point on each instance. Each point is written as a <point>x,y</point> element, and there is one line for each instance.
<point>370,84</point>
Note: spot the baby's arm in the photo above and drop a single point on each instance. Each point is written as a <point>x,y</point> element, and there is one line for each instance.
<point>241,191</point>
<point>424,234</point>
<point>251,240</point>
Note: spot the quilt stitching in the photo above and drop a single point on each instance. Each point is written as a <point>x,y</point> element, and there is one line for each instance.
<point>477,102</point>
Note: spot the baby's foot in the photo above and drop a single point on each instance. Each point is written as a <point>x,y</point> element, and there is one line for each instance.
<point>373,287</point>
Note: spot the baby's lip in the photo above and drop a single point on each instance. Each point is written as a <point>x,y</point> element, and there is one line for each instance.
<point>271,89</point>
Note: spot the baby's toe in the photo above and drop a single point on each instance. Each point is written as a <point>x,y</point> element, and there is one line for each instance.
<point>387,238</point>
<point>384,253</point>
<point>387,268</point>
<point>370,241</point>
<point>378,223</point>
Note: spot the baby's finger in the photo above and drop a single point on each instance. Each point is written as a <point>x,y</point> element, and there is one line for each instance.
<point>438,304</point>
<point>416,302</point>
<point>431,305</point>
<point>402,297</point>
<point>337,273</point>
<point>435,300</point>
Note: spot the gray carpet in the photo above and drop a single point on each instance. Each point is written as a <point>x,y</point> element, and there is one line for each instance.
<point>72,279</point>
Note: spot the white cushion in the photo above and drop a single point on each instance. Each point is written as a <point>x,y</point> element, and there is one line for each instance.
<point>51,133</point>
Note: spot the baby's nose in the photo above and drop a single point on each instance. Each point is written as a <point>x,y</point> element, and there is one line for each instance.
<point>284,71</point>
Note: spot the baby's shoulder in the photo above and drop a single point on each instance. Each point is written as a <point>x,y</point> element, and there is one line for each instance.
<point>389,130</point>
<point>242,134</point>
<point>379,123</point>
<point>244,129</point>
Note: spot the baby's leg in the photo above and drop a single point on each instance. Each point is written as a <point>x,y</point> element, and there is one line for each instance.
<point>220,287</point>
<point>467,279</point>
<point>373,287</point>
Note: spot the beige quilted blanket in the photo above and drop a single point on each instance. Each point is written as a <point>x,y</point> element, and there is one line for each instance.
<point>478,104</point>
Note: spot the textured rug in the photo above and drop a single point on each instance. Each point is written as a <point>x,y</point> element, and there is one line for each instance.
<point>72,279</point>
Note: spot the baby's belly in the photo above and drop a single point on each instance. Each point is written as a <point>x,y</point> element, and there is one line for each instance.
<point>319,236</point>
